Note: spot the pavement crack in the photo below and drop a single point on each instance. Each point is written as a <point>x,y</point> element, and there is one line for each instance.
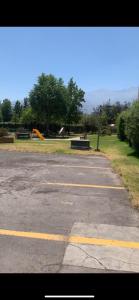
<point>90,256</point>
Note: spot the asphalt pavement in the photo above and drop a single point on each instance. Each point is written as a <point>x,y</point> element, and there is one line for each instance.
<point>65,213</point>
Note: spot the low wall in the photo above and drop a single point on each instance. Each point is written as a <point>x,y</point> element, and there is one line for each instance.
<point>80,144</point>
<point>7,139</point>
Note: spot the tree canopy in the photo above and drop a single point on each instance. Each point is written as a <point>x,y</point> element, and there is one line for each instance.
<point>74,101</point>
<point>47,99</point>
<point>6,110</point>
<point>51,100</point>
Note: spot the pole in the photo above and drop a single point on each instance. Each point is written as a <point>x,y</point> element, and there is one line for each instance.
<point>98,142</point>
<point>98,135</point>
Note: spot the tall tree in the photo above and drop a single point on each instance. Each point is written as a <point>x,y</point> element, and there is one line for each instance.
<point>0,113</point>
<point>74,100</point>
<point>27,116</point>
<point>18,108</point>
<point>47,99</point>
<point>25,102</point>
<point>17,111</point>
<point>110,111</point>
<point>6,109</point>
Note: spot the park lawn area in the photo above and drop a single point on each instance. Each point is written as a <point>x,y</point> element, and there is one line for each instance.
<point>124,161</point>
<point>47,146</point>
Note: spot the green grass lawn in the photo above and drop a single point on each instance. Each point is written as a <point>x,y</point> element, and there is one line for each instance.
<point>124,161</point>
<point>121,155</point>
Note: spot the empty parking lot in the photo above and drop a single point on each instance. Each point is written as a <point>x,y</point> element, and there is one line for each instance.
<point>65,213</point>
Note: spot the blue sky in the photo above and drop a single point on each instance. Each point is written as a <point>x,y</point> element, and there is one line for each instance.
<point>96,58</point>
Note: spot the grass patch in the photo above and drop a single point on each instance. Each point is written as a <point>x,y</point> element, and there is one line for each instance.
<point>124,161</point>
<point>61,146</point>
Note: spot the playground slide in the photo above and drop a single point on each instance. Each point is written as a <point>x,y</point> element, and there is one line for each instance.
<point>37,132</point>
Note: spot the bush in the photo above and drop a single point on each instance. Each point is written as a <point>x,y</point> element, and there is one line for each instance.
<point>128,126</point>
<point>132,126</point>
<point>21,129</point>
<point>3,132</point>
<point>121,125</point>
<point>106,131</point>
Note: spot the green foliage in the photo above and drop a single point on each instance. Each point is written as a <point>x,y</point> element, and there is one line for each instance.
<point>74,100</point>
<point>121,125</point>
<point>110,111</point>
<point>47,99</point>
<point>106,131</point>
<point>6,109</point>
<point>89,122</point>
<point>26,102</point>
<point>18,109</point>
<point>28,116</point>
<point>128,125</point>
<point>132,127</point>
<point>0,113</point>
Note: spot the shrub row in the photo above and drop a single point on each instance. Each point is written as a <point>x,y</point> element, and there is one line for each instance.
<point>128,125</point>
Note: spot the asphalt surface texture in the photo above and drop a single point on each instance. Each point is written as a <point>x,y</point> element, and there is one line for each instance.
<point>64,196</point>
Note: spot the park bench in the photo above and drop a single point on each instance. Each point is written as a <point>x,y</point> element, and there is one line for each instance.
<point>22,135</point>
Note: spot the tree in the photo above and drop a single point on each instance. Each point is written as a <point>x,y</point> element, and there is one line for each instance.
<point>0,113</point>
<point>47,99</point>
<point>132,126</point>
<point>6,109</point>
<point>18,108</point>
<point>121,125</point>
<point>26,102</point>
<point>128,125</point>
<point>17,111</point>
<point>89,121</point>
<point>110,112</point>
<point>74,100</point>
<point>27,116</point>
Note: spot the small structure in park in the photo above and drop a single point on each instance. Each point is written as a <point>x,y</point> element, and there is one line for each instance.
<point>82,144</point>
<point>22,134</point>
<point>5,137</point>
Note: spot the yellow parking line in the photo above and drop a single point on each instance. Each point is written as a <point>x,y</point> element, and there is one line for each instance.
<point>34,235</point>
<point>85,185</point>
<point>103,242</point>
<point>82,167</point>
<point>70,239</point>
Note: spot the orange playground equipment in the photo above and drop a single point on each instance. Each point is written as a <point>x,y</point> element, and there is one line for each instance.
<point>37,132</point>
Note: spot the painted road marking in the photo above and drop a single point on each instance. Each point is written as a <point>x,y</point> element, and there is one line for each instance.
<point>71,239</point>
<point>85,185</point>
<point>84,167</point>
<point>34,235</point>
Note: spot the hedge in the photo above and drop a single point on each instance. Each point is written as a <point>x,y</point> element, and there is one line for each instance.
<point>128,125</point>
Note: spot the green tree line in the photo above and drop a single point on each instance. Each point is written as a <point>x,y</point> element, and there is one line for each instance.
<point>103,115</point>
<point>50,100</point>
